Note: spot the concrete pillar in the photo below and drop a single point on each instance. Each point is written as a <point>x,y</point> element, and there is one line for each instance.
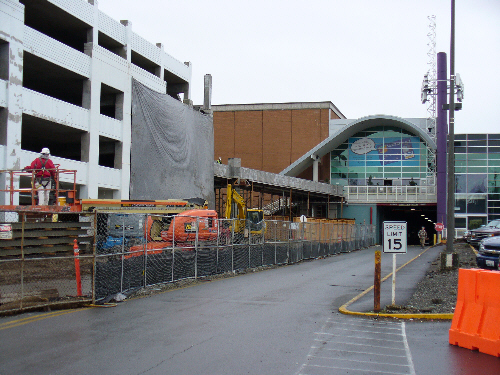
<point>3,125</point>
<point>118,155</point>
<point>315,167</point>
<point>90,140</point>
<point>4,61</point>
<point>187,91</point>
<point>160,70</point>
<point>85,145</point>
<point>122,150</point>
<point>13,114</point>
<point>207,97</point>
<point>128,39</point>
<point>119,109</point>
<point>91,100</point>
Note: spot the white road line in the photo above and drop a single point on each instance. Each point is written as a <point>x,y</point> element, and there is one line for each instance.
<point>311,350</point>
<point>371,346</point>
<point>374,344</point>
<point>360,361</point>
<point>367,325</point>
<point>357,337</point>
<point>354,369</point>
<point>359,330</point>
<point>354,351</point>
<point>407,348</point>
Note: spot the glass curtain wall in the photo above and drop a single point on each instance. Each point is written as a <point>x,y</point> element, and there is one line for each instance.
<point>477,179</point>
<point>383,155</point>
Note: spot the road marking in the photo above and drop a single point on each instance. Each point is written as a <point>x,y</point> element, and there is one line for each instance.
<point>35,318</point>
<point>359,347</point>
<point>361,323</point>
<point>368,331</point>
<point>350,370</point>
<point>353,351</point>
<point>407,348</point>
<point>370,346</point>
<point>359,360</point>
<point>358,337</point>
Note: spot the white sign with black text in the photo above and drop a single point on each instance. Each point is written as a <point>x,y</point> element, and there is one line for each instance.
<point>395,236</point>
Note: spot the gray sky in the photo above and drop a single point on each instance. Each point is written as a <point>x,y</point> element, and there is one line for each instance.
<point>366,56</point>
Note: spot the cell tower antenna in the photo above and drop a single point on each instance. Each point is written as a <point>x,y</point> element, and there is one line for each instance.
<point>432,77</point>
<point>429,90</point>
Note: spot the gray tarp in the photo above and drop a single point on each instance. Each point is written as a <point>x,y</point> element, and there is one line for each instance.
<point>172,152</point>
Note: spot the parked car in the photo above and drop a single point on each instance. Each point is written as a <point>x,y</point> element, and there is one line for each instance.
<point>489,230</point>
<point>489,252</point>
<point>466,236</point>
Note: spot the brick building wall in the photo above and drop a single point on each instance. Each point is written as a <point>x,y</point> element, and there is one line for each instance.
<point>271,137</point>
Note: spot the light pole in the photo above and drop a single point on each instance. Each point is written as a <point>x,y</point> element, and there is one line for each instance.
<point>450,207</point>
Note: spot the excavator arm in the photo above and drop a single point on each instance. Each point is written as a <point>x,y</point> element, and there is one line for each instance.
<point>234,197</point>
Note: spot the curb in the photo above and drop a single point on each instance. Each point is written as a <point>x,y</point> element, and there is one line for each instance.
<point>344,308</point>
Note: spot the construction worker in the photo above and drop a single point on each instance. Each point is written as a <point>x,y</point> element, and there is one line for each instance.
<point>422,234</point>
<point>45,172</point>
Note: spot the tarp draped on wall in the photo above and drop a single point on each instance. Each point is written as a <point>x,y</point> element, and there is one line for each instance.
<point>172,152</point>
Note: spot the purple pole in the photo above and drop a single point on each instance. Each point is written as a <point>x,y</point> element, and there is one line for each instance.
<point>441,135</point>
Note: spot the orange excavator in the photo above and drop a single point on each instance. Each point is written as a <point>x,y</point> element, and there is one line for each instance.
<point>182,230</point>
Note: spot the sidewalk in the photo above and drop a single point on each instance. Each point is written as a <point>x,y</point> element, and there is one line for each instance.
<point>408,276</point>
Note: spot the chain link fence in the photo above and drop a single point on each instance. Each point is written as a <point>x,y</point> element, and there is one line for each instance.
<point>135,251</point>
<point>120,253</point>
<point>38,266</point>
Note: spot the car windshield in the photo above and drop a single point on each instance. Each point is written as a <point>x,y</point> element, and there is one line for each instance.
<point>493,224</point>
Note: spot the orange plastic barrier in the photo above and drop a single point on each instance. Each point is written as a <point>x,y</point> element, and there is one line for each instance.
<point>475,323</point>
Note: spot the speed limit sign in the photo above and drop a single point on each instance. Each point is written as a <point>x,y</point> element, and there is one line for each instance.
<point>395,237</point>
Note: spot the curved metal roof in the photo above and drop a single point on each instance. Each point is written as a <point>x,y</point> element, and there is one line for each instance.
<point>335,140</point>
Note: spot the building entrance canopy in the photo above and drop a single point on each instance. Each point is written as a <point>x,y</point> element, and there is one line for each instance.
<point>349,130</point>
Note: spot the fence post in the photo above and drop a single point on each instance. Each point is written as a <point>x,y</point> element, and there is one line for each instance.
<point>288,243</point>
<point>22,257</point>
<point>173,246</point>
<point>249,244</point>
<point>302,239</point>
<point>76,254</point>
<point>94,257</point>
<point>196,248</point>
<point>330,233</point>
<point>263,243</point>
<point>320,238</point>
<point>122,253</point>
<point>233,221</point>
<point>145,264</point>
<point>217,243</point>
<point>275,241</point>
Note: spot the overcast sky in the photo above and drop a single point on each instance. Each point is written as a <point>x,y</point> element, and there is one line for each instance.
<point>365,56</point>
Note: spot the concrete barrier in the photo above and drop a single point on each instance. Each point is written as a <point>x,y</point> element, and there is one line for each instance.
<point>475,323</point>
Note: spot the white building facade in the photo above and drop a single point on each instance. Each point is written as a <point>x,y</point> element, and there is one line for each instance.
<point>66,72</point>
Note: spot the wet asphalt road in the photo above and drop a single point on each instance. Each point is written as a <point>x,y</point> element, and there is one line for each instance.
<point>281,321</point>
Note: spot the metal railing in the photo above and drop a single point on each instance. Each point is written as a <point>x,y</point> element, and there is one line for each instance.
<point>32,191</point>
<point>416,194</point>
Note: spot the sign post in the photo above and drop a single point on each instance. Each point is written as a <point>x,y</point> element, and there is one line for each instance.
<point>439,228</point>
<point>394,241</point>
